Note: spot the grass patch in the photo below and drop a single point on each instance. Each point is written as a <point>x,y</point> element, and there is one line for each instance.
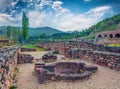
<point>114,45</point>
<point>33,46</point>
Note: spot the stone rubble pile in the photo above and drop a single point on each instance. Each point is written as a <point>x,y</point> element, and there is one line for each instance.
<point>24,58</point>
<point>67,71</point>
<point>8,61</point>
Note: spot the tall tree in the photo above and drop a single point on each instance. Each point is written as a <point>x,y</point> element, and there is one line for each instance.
<point>25,26</point>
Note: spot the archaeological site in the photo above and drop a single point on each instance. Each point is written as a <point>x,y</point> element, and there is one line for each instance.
<point>59,44</point>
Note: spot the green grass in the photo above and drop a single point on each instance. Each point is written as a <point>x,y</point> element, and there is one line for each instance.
<point>114,45</point>
<point>33,46</point>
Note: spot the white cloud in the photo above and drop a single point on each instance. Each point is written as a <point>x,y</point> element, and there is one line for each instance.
<point>57,6</point>
<point>6,19</point>
<point>45,3</point>
<point>85,20</point>
<point>99,11</point>
<point>13,3</point>
<point>36,18</point>
<point>61,20</point>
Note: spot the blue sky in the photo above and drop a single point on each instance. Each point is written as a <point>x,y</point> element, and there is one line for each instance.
<point>65,15</point>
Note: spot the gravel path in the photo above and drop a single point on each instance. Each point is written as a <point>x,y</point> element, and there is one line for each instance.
<point>103,79</point>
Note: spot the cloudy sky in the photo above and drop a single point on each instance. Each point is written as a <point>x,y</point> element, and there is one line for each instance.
<point>65,15</point>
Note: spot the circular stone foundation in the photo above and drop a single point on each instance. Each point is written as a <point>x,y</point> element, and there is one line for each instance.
<point>67,71</point>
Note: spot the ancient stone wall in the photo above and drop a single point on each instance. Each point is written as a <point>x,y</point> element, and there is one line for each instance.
<point>88,51</point>
<point>49,57</point>
<point>8,61</point>
<point>4,41</point>
<point>62,47</point>
<point>108,59</point>
<point>24,58</point>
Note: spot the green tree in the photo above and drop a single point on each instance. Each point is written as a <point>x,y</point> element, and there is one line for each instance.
<point>25,26</point>
<point>8,31</point>
<point>42,36</point>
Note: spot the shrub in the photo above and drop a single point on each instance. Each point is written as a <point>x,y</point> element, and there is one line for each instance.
<point>13,87</point>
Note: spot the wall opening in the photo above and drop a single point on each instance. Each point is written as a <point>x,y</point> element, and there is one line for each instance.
<point>111,35</point>
<point>117,35</point>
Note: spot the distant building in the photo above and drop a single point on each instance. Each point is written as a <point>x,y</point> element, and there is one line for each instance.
<point>108,37</point>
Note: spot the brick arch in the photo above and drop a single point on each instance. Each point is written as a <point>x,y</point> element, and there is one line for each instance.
<point>111,35</point>
<point>99,36</point>
<point>117,35</point>
<point>105,35</point>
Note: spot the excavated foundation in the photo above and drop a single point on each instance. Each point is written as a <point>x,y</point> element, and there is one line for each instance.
<point>67,71</point>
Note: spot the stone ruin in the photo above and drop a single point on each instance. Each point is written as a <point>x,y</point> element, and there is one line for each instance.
<point>8,61</point>
<point>64,45</point>
<point>49,57</point>
<point>89,51</point>
<point>9,58</point>
<point>111,60</point>
<point>4,41</point>
<point>24,58</point>
<point>66,71</point>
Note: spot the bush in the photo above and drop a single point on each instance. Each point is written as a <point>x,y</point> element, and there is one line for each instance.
<point>13,87</point>
<point>16,70</point>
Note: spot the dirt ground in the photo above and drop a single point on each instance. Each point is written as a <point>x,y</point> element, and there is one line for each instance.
<point>103,79</point>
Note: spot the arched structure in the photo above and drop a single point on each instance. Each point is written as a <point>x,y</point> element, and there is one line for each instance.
<point>117,35</point>
<point>108,37</point>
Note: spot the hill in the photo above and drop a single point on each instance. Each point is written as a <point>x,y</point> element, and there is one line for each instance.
<point>105,25</point>
<point>34,31</point>
<point>47,30</point>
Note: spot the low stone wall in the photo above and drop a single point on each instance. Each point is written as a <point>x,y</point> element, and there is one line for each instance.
<point>67,71</point>
<point>8,61</point>
<point>113,49</point>
<point>27,50</point>
<point>4,41</point>
<point>107,59</point>
<point>63,46</point>
<point>111,60</point>
<point>24,58</point>
<point>49,57</point>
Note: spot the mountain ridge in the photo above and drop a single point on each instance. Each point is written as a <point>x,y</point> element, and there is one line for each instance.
<point>34,31</point>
